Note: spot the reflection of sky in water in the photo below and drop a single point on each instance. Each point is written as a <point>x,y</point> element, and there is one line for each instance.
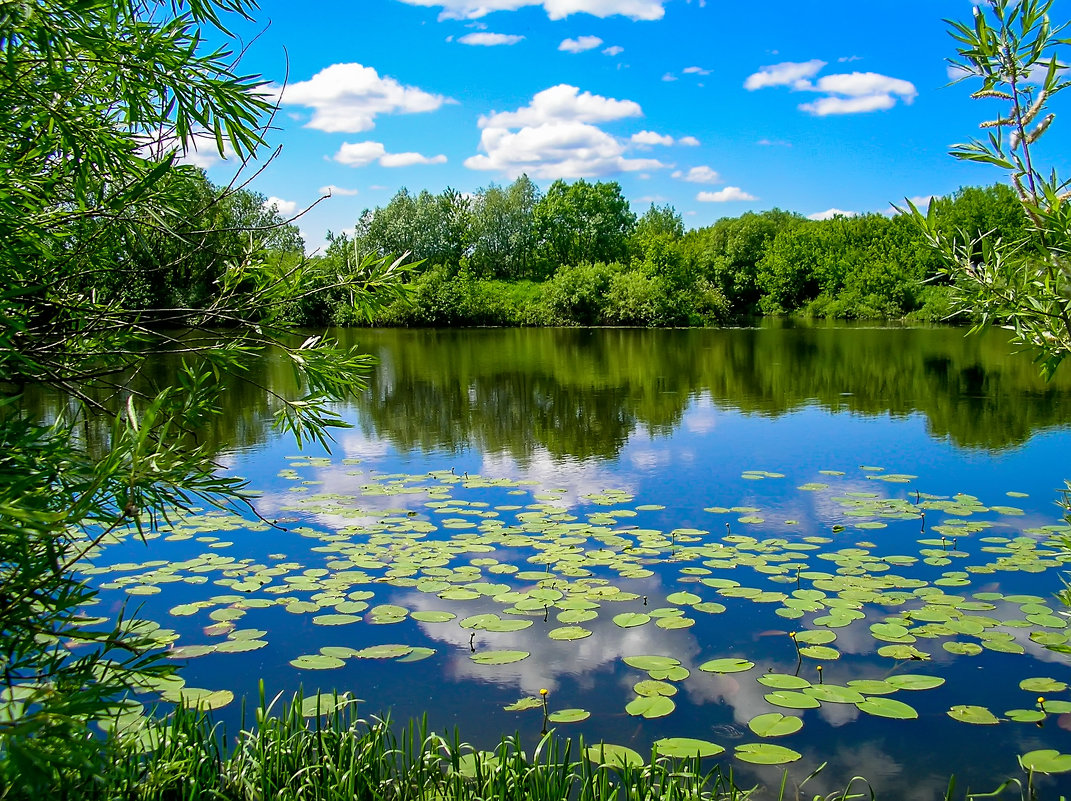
<point>693,465</point>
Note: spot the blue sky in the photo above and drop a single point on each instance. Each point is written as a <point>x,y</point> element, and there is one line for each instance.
<point>714,107</point>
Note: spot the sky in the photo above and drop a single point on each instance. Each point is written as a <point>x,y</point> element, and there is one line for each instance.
<point>714,107</point>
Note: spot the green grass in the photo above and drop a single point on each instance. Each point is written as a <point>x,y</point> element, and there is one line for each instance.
<point>290,756</point>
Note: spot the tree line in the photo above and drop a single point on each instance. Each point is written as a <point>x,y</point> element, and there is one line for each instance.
<point>578,255</point>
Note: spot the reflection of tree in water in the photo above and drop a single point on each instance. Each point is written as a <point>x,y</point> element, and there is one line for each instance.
<point>582,393</point>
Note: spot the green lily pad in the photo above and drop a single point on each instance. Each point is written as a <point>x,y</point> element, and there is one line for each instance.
<point>766,754</point>
<point>1046,761</point>
<point>683,598</point>
<point>317,662</point>
<point>888,708</point>
<point>617,756</point>
<point>784,681</point>
<point>1043,685</point>
<point>195,697</point>
<point>334,620</point>
<point>834,694</point>
<point>653,687</point>
<point>627,620</point>
<point>973,714</point>
<point>383,651</point>
<point>432,616</point>
<point>240,646</point>
<point>774,724</point>
<point>569,633</point>
<point>499,657</point>
<point>911,681</point>
<point>325,704</point>
<point>686,748</point>
<point>652,662</point>
<point>820,652</point>
<point>790,699</point>
<point>417,654</point>
<point>727,665</point>
<point>568,716</point>
<point>962,648</point>
<point>531,702</point>
<point>1025,715</point>
<point>650,706</point>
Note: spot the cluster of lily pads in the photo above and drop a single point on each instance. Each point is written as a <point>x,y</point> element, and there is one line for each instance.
<point>449,540</point>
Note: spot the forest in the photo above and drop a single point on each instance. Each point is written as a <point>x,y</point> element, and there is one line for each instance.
<point>579,255</point>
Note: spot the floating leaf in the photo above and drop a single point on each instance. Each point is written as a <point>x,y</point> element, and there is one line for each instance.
<point>316,662</point>
<point>613,755</point>
<point>791,699</point>
<point>195,697</point>
<point>530,702</point>
<point>766,754</point>
<point>653,687</point>
<point>911,681</point>
<point>1046,761</point>
<point>325,704</point>
<point>568,716</point>
<point>686,748</point>
<point>417,654</point>
<point>973,714</point>
<point>569,633</point>
<point>784,681</point>
<point>888,708</point>
<point>499,657</point>
<point>834,694</point>
<point>650,706</point>
<point>774,724</point>
<point>820,652</point>
<point>652,662</point>
<point>627,620</point>
<point>432,616</point>
<point>726,665</point>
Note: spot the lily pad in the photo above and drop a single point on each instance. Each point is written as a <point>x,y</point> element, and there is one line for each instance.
<point>569,633</point>
<point>790,699</point>
<point>650,706</point>
<point>499,657</point>
<point>1043,685</point>
<point>727,665</point>
<point>317,662</point>
<point>766,754</point>
<point>978,715</point>
<point>686,748</point>
<point>1046,761</point>
<point>774,724</point>
<point>888,708</point>
<point>627,620</point>
<point>568,716</point>
<point>911,681</point>
<point>617,756</point>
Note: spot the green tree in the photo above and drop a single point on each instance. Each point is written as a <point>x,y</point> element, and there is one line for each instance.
<point>504,236</point>
<point>84,88</point>
<point>582,222</point>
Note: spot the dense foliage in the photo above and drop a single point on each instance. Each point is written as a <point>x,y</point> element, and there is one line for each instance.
<point>577,255</point>
<point>104,239</point>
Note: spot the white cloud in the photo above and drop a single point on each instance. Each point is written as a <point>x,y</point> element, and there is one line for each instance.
<point>829,214</point>
<point>774,143</point>
<point>361,154</point>
<point>650,138</point>
<point>285,208</point>
<point>346,98</point>
<point>826,106</point>
<point>696,71</point>
<point>651,199</point>
<point>555,136</point>
<point>556,9</point>
<point>331,189</point>
<point>409,159</point>
<point>669,76</point>
<point>490,39</point>
<point>698,175</point>
<point>787,73</point>
<point>563,103</point>
<point>555,150</point>
<point>725,195</point>
<point>580,44</point>
<point>847,59</point>
<point>614,50</point>
<point>688,141</point>
<point>845,93</point>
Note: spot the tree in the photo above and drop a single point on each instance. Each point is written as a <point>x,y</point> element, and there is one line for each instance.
<point>1023,282</point>
<point>97,101</point>
<point>582,222</point>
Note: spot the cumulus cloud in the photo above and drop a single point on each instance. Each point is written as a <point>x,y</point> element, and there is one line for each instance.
<point>331,189</point>
<point>361,154</point>
<point>647,138</point>
<point>555,136</point>
<point>725,195</point>
<point>669,76</point>
<point>614,50</point>
<point>580,44</point>
<point>347,98</point>
<point>563,103</point>
<point>788,73</point>
<point>829,214</point>
<point>696,71</point>
<point>688,141</point>
<point>285,208</point>
<point>698,175</point>
<point>845,93</point>
<point>489,39</point>
<point>774,143</point>
<point>556,9</point>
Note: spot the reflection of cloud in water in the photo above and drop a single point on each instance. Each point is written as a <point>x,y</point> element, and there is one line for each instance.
<point>550,660</point>
<point>578,477</point>
<point>701,417</point>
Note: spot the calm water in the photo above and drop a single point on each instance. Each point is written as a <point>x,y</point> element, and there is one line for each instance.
<point>785,479</point>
